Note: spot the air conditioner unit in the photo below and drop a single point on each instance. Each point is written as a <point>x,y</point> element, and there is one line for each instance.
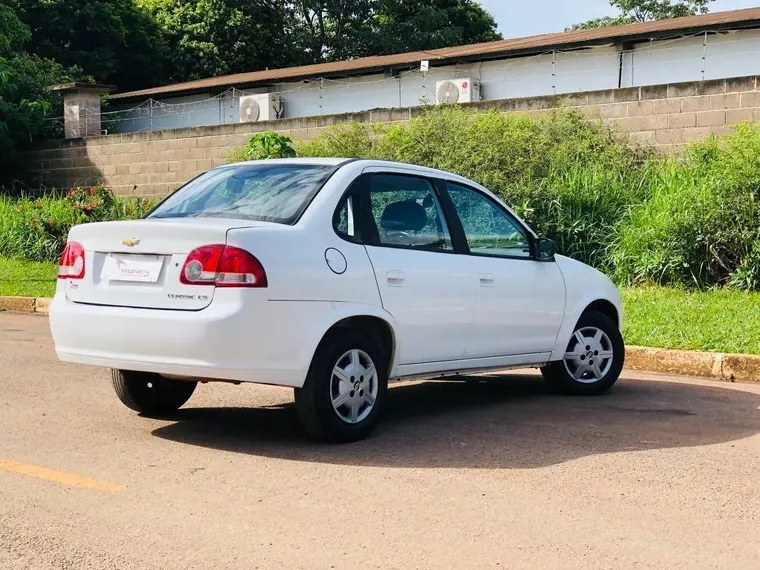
<point>457,91</point>
<point>263,107</point>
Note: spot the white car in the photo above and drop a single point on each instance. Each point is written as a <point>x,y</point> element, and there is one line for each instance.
<point>333,277</point>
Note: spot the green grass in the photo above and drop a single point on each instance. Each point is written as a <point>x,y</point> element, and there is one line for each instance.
<point>27,278</point>
<point>720,320</point>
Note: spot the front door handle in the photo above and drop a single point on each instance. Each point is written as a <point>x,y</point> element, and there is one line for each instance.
<point>395,278</point>
<point>486,280</point>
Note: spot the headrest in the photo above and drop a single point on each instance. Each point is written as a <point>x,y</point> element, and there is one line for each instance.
<point>406,216</point>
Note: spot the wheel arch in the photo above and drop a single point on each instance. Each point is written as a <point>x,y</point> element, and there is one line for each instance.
<point>373,322</point>
<point>606,307</point>
<point>594,300</point>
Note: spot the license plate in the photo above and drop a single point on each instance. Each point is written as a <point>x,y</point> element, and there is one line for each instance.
<point>135,268</point>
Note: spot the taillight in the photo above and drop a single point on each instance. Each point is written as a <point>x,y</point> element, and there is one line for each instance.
<point>239,268</point>
<point>72,261</point>
<point>223,266</point>
<point>201,265</point>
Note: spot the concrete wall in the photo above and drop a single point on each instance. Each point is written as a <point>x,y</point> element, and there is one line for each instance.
<point>154,163</point>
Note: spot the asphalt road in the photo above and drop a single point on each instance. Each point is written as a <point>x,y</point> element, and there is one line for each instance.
<point>660,473</point>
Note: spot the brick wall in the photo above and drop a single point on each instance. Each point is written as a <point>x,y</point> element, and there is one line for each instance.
<point>154,163</point>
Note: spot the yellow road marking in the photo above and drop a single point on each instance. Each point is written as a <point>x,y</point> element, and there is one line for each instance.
<point>70,479</point>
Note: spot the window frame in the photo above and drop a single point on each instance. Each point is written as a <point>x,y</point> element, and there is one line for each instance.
<point>529,234</point>
<point>370,231</point>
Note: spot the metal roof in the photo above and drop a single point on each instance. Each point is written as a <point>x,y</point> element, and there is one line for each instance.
<point>734,19</point>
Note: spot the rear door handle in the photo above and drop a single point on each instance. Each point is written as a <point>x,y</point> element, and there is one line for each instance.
<point>395,278</point>
<point>486,280</point>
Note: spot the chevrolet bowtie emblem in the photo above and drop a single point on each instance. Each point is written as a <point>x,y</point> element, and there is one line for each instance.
<point>130,242</point>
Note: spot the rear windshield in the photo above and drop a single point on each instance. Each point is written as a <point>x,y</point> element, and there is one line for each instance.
<point>262,191</point>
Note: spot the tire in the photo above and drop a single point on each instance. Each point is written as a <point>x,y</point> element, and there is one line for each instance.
<point>314,402</point>
<point>598,376</point>
<point>151,394</point>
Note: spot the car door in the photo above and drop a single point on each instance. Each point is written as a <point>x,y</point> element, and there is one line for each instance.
<point>520,302</point>
<point>423,283</point>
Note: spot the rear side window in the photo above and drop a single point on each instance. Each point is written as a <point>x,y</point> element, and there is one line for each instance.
<point>407,213</point>
<point>347,217</point>
<point>260,191</point>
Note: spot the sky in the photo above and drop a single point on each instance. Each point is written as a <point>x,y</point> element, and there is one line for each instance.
<point>518,18</point>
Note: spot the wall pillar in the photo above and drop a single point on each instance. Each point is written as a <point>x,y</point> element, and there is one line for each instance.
<point>81,108</point>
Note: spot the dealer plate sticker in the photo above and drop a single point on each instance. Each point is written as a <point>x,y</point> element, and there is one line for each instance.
<point>138,268</point>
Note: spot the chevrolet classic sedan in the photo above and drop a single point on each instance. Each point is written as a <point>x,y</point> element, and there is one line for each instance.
<point>332,277</point>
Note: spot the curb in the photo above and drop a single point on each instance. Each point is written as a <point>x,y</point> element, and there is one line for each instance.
<point>39,305</point>
<point>727,367</point>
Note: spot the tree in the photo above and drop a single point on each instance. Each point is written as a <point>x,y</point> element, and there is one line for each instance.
<point>25,103</point>
<point>218,37</point>
<point>331,30</point>
<point>141,43</point>
<point>114,41</point>
<point>13,32</point>
<point>404,25</point>
<point>632,11</point>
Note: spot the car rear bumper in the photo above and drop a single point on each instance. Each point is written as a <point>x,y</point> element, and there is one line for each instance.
<point>236,338</point>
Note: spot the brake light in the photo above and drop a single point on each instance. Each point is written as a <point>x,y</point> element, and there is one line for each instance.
<point>72,261</point>
<point>223,266</point>
<point>201,265</point>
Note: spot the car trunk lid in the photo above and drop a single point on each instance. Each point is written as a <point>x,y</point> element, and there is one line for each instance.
<point>138,263</point>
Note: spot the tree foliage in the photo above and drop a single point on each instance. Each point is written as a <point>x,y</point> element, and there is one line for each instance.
<point>331,30</point>
<point>407,26</point>
<point>25,104</point>
<point>114,41</point>
<point>135,44</point>
<point>141,43</point>
<point>263,146</point>
<point>216,37</point>
<point>632,11</point>
<point>13,32</point>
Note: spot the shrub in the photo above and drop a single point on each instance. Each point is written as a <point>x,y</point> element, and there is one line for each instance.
<point>570,178</point>
<point>351,140</point>
<point>263,146</point>
<point>691,220</point>
<point>35,229</point>
<point>701,226</point>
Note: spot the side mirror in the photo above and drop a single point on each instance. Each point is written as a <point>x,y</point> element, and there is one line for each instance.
<point>545,249</point>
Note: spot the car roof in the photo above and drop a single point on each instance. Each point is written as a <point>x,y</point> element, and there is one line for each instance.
<point>308,161</point>
<point>356,162</point>
<point>407,166</point>
<point>361,163</point>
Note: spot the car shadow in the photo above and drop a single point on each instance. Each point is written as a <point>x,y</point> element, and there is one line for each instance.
<point>500,422</point>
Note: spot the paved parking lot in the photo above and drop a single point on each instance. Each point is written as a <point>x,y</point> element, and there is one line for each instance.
<point>660,473</point>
